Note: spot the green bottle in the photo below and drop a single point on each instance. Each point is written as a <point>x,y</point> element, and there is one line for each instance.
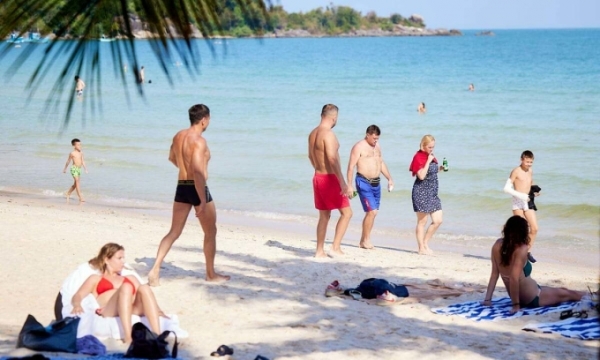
<point>445,164</point>
<point>354,194</point>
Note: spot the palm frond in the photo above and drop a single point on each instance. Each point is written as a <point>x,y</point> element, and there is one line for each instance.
<point>168,20</point>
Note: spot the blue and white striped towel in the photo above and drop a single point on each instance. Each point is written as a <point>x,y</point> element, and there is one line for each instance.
<point>577,328</point>
<point>500,310</point>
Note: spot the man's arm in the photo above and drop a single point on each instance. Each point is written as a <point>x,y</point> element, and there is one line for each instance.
<point>333,158</point>
<point>388,176</point>
<point>352,162</point>
<point>172,157</point>
<point>199,169</point>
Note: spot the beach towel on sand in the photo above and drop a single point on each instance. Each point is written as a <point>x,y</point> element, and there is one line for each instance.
<point>500,309</point>
<point>104,327</point>
<point>576,328</point>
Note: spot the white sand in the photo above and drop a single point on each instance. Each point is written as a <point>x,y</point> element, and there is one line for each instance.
<point>274,304</point>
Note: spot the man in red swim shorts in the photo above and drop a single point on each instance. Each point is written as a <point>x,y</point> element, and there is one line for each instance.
<point>328,182</point>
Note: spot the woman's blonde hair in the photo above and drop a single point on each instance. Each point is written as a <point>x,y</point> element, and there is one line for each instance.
<point>106,252</point>
<point>426,140</point>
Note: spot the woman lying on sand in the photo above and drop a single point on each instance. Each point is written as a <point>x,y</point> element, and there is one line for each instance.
<point>118,295</point>
<point>509,260</point>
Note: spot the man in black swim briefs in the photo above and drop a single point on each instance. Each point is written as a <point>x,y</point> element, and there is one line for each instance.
<point>190,154</point>
<point>186,193</point>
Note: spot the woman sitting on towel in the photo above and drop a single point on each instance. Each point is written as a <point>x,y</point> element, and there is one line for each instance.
<point>118,295</point>
<point>509,261</point>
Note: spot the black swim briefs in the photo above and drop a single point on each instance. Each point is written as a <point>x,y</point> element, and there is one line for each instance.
<point>186,193</point>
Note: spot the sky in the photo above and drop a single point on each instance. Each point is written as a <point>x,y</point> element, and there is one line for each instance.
<point>474,14</point>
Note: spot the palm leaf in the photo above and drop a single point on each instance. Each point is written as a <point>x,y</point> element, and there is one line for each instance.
<point>169,20</point>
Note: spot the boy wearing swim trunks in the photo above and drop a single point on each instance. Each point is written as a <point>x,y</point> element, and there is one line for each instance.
<point>519,186</point>
<point>367,158</point>
<point>76,156</point>
<point>328,182</point>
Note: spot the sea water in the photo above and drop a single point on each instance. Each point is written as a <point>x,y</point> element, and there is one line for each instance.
<point>535,90</point>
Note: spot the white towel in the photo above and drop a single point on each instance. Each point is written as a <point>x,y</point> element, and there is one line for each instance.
<point>104,327</point>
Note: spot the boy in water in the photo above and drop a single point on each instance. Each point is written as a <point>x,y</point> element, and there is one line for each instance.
<point>77,157</point>
<point>519,186</point>
<point>79,86</point>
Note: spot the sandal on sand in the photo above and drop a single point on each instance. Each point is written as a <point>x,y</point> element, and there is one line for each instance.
<point>260,357</point>
<point>334,289</point>
<point>387,298</point>
<point>356,295</point>
<point>222,351</point>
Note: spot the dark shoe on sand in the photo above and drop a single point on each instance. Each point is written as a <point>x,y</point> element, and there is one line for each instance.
<point>222,351</point>
<point>531,258</point>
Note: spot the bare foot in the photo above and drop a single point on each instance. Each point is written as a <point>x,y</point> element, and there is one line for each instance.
<point>217,278</point>
<point>422,251</point>
<point>81,200</point>
<point>366,245</point>
<point>68,195</point>
<point>153,279</point>
<point>320,254</point>
<point>336,252</point>
<point>428,251</point>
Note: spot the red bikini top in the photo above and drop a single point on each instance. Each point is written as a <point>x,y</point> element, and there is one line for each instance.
<point>104,285</point>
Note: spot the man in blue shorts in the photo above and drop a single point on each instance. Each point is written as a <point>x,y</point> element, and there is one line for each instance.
<point>367,158</point>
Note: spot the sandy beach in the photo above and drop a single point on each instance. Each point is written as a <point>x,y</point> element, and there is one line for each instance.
<point>274,304</point>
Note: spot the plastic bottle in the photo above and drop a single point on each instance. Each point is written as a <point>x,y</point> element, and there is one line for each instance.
<point>354,194</point>
<point>445,164</point>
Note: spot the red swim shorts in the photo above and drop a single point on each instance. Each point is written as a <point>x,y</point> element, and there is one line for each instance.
<point>327,192</point>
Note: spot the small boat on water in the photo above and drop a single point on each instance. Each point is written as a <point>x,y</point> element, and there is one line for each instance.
<point>15,39</point>
<point>103,38</point>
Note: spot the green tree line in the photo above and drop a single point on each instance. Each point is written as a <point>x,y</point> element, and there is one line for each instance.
<point>230,19</point>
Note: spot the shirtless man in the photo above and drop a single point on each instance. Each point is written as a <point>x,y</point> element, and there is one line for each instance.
<point>366,157</point>
<point>75,156</point>
<point>190,154</point>
<point>328,182</point>
<point>519,185</point>
<point>79,86</point>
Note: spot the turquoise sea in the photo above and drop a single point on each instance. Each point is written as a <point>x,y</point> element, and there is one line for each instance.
<point>535,89</point>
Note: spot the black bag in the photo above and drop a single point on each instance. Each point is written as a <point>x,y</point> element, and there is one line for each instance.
<point>58,336</point>
<point>147,345</point>
<point>372,287</point>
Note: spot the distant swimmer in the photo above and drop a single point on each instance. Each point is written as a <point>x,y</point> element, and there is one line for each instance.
<point>76,156</point>
<point>421,108</point>
<point>329,187</point>
<point>142,77</point>
<point>471,87</point>
<point>190,154</point>
<point>79,86</point>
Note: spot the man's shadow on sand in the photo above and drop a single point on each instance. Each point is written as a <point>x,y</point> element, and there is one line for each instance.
<point>166,270</point>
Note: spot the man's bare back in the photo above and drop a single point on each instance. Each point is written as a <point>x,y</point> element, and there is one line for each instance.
<point>323,150</point>
<point>185,144</point>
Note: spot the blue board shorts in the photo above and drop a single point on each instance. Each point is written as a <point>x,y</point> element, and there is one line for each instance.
<point>369,192</point>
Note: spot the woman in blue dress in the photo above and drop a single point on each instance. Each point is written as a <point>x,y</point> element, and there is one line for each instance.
<point>425,193</point>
